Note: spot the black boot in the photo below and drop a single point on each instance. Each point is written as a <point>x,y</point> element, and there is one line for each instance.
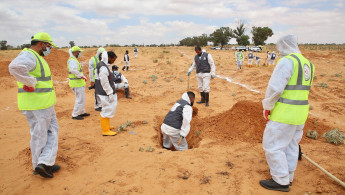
<point>127,93</point>
<point>207,98</point>
<point>202,94</point>
<point>44,171</point>
<point>127,68</point>
<point>123,68</point>
<point>272,185</point>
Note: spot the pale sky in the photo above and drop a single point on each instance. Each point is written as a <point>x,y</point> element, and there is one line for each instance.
<point>129,22</point>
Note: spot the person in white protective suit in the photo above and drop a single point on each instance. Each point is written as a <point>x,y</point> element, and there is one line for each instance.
<point>272,59</point>
<point>205,70</point>
<point>239,59</point>
<point>92,67</point>
<point>257,61</point>
<point>77,83</point>
<point>105,89</point>
<point>250,59</point>
<point>135,52</point>
<point>176,124</point>
<point>268,58</point>
<point>120,81</point>
<point>126,60</point>
<point>286,110</point>
<point>36,100</point>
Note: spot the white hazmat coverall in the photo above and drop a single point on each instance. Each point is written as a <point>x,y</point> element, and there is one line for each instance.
<point>280,140</point>
<point>204,78</point>
<point>108,102</point>
<point>79,105</point>
<point>91,69</point>
<point>44,128</point>
<point>124,83</point>
<point>172,135</point>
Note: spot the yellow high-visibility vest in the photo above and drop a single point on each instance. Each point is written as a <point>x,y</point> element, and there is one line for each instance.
<point>95,62</point>
<point>293,106</point>
<point>73,80</point>
<point>44,95</point>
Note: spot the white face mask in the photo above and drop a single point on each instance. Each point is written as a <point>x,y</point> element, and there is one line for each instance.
<point>79,55</point>
<point>47,52</point>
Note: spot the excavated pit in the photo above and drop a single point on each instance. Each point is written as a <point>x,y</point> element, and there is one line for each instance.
<point>243,122</point>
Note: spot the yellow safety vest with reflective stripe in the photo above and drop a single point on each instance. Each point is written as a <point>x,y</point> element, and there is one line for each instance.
<point>292,106</point>
<point>239,56</point>
<point>95,62</point>
<point>44,95</point>
<point>73,80</point>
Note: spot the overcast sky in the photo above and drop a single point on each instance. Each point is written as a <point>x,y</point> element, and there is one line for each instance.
<point>166,21</point>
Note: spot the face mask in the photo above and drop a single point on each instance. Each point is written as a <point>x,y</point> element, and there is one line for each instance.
<point>116,72</point>
<point>47,52</point>
<point>79,55</point>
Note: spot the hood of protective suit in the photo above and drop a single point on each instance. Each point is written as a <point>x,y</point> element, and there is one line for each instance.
<point>100,50</point>
<point>70,53</point>
<point>186,97</point>
<point>287,44</point>
<point>105,59</point>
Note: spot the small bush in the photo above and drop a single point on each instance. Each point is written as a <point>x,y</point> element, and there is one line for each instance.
<point>337,75</point>
<point>312,134</point>
<point>323,74</point>
<point>330,80</point>
<point>144,81</point>
<point>181,80</point>
<point>144,122</point>
<point>166,51</point>
<point>234,95</point>
<point>124,126</point>
<point>168,62</point>
<point>334,136</point>
<point>167,80</point>
<point>323,85</point>
<point>153,77</point>
<point>155,60</point>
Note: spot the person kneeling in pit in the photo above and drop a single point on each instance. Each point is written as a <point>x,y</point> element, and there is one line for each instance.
<point>176,124</point>
<point>118,79</point>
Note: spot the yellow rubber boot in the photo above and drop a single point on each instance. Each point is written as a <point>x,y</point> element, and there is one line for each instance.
<point>105,127</point>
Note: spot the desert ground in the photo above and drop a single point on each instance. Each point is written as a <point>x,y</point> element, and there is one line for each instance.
<point>225,155</point>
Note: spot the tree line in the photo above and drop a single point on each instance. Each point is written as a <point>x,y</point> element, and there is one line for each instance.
<point>223,35</point>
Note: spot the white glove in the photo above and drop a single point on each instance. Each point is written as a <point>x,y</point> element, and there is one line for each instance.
<point>111,98</point>
<point>213,76</point>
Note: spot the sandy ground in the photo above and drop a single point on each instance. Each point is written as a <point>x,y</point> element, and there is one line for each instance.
<point>226,155</point>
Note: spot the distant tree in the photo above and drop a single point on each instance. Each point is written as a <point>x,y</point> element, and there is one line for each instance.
<point>261,34</point>
<point>3,44</point>
<point>239,31</point>
<point>195,41</point>
<point>243,40</point>
<point>221,36</point>
<point>25,46</point>
<point>71,43</point>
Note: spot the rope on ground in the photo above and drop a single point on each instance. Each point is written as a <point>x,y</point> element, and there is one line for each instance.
<point>325,171</point>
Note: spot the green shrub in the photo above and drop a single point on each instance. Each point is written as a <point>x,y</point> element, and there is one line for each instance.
<point>334,136</point>
<point>144,81</point>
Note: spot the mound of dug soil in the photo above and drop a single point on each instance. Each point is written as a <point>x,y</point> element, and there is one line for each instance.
<point>245,122</point>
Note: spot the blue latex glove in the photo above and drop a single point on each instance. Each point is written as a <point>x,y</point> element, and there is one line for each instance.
<point>188,73</point>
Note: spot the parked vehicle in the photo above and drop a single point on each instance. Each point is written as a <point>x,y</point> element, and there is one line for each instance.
<point>241,48</point>
<point>216,48</point>
<point>256,49</point>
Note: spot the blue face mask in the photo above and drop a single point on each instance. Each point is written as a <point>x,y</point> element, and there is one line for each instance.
<point>116,72</point>
<point>79,55</point>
